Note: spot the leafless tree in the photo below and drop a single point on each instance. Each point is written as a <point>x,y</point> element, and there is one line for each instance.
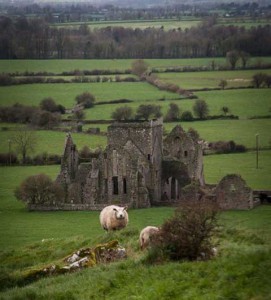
<point>25,142</point>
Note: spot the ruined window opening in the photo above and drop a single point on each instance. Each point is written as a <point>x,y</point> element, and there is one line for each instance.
<point>115,185</point>
<point>185,153</point>
<point>124,186</point>
<point>173,188</point>
<point>167,181</point>
<point>149,157</point>
<point>106,186</point>
<point>140,179</point>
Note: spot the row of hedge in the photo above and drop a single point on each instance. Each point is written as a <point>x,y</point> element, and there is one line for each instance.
<point>7,159</point>
<point>7,80</point>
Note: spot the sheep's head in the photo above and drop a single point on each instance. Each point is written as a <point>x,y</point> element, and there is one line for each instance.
<point>120,212</point>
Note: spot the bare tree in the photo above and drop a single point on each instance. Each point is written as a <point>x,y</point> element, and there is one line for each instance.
<point>173,113</point>
<point>223,83</point>
<point>139,67</point>
<point>258,79</point>
<point>225,110</point>
<point>244,58</point>
<point>25,141</point>
<point>201,109</point>
<point>233,57</point>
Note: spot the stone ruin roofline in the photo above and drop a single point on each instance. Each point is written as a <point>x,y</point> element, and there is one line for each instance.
<point>137,123</point>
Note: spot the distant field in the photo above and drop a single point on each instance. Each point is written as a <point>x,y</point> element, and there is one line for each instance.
<point>246,23</point>
<point>241,131</point>
<point>244,164</point>
<point>243,103</point>
<point>65,94</point>
<point>61,65</point>
<point>211,79</point>
<point>52,142</point>
<point>166,24</point>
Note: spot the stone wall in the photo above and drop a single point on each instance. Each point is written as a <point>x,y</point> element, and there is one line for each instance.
<point>138,169</point>
<point>232,192</point>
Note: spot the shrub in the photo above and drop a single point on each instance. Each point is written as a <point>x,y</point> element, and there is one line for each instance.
<point>193,134</point>
<point>8,158</point>
<point>17,113</point>
<point>39,189</point>
<point>201,109</point>
<point>187,116</point>
<point>173,113</point>
<point>139,67</point>
<point>145,111</point>
<point>6,79</point>
<point>50,105</point>
<point>86,99</point>
<point>122,113</point>
<point>85,153</point>
<point>46,159</point>
<point>223,147</point>
<point>46,119</point>
<point>259,79</point>
<point>188,234</point>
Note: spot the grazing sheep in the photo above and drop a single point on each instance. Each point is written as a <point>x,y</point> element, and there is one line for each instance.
<point>146,235</point>
<point>114,217</point>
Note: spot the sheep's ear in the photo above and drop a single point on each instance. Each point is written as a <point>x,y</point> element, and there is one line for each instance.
<point>125,207</point>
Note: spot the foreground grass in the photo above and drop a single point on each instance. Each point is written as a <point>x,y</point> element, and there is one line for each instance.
<point>240,271</point>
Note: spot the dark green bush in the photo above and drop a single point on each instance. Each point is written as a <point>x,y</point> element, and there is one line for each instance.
<point>188,234</point>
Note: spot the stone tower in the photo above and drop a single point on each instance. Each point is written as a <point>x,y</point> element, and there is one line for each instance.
<point>134,162</point>
<point>69,162</point>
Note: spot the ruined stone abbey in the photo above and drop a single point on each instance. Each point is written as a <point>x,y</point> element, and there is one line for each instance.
<point>138,168</point>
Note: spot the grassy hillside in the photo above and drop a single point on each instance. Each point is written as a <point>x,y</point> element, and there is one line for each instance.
<point>65,93</point>
<point>32,241</point>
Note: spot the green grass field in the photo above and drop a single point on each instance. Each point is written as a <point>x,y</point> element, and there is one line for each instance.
<point>60,65</point>
<point>211,79</point>
<point>65,93</point>
<point>241,131</point>
<point>34,240</point>
<point>243,103</point>
<point>52,142</point>
<point>166,24</point>
<point>244,164</point>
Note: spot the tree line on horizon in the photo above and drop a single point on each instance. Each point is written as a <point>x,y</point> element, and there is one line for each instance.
<point>36,39</point>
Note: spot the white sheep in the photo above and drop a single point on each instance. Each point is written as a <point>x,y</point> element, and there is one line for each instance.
<point>146,235</point>
<point>114,217</point>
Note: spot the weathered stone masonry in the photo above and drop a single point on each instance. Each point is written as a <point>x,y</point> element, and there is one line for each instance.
<point>135,169</point>
<point>139,168</point>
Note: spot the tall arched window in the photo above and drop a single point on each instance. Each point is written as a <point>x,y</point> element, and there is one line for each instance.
<point>124,186</point>
<point>115,185</point>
